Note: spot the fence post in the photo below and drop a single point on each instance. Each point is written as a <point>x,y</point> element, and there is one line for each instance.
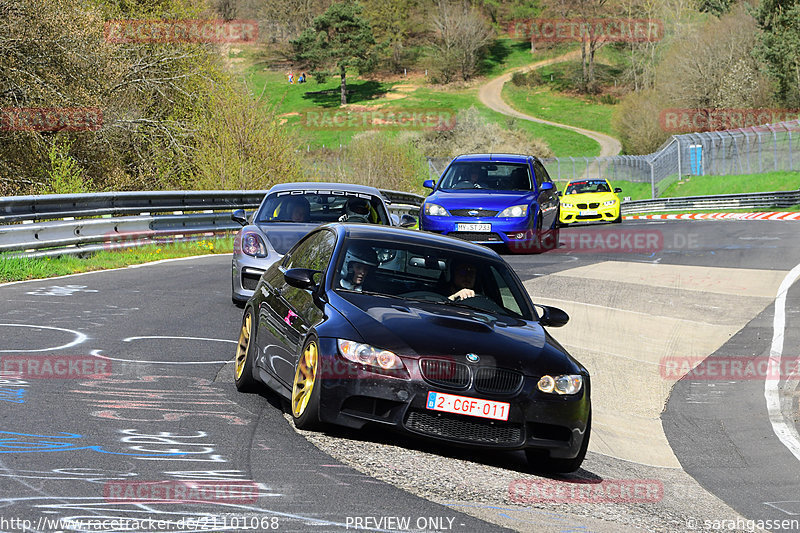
<point>791,165</point>
<point>652,181</point>
<point>678,139</point>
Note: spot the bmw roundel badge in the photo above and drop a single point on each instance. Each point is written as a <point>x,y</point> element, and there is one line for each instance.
<point>472,358</point>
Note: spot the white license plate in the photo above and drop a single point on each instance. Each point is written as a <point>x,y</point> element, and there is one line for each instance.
<point>586,213</point>
<point>473,227</point>
<point>450,403</point>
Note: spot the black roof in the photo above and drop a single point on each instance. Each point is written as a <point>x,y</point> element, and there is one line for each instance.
<point>402,235</point>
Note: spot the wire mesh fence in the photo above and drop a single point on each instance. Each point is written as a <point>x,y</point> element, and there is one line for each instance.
<point>753,150</point>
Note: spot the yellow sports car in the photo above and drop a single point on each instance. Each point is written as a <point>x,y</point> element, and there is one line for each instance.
<point>589,200</point>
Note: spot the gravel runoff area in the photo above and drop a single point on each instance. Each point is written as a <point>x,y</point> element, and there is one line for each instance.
<point>486,485</point>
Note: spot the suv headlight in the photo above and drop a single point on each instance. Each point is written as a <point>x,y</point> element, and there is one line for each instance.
<point>435,210</point>
<point>563,384</point>
<point>368,355</point>
<point>515,211</point>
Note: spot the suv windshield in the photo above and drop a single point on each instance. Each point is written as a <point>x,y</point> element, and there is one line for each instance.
<point>492,176</point>
<point>418,272</point>
<point>322,206</point>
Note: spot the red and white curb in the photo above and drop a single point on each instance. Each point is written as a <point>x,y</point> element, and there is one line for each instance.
<point>770,215</point>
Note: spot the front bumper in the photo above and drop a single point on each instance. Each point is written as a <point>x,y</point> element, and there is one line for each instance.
<point>353,396</point>
<point>508,231</point>
<point>245,273</point>
<point>569,215</point>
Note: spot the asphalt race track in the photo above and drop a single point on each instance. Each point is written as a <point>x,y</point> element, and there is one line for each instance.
<point>126,391</point>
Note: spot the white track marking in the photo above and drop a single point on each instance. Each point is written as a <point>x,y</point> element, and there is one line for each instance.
<point>79,338</point>
<point>129,339</point>
<point>785,431</point>
<point>97,353</point>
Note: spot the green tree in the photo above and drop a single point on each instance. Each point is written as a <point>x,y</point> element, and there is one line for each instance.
<point>339,39</point>
<point>392,21</point>
<point>715,7</point>
<point>780,45</point>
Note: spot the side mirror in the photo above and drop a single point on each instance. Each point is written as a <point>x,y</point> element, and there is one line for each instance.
<point>617,190</point>
<point>546,186</point>
<point>302,278</point>
<point>553,317</point>
<point>407,221</point>
<point>239,216</point>
<point>429,184</point>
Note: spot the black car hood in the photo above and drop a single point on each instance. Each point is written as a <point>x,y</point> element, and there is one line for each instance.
<point>412,328</point>
<point>283,235</point>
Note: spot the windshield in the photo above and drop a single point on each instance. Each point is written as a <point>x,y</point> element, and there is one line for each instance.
<point>584,186</point>
<point>417,272</point>
<point>492,176</point>
<point>322,206</point>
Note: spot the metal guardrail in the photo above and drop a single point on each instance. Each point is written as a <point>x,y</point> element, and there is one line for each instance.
<point>722,201</point>
<point>36,226</point>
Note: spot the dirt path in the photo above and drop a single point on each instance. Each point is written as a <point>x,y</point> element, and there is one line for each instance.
<point>490,95</point>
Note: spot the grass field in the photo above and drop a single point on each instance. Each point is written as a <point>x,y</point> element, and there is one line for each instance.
<point>20,268</point>
<point>543,102</point>
<point>705,185</point>
<point>310,107</point>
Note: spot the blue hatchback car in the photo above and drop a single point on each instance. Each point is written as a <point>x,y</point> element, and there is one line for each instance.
<point>494,199</point>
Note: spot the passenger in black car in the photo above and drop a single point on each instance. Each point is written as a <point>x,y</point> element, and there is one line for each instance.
<point>462,281</point>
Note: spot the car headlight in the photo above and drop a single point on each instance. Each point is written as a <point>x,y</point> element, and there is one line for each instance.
<point>436,210</point>
<point>610,202</point>
<point>515,211</point>
<point>564,384</point>
<point>567,205</point>
<point>253,245</point>
<point>368,355</point>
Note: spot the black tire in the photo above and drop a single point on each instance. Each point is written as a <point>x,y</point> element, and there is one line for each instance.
<point>245,351</point>
<point>304,403</point>
<point>618,220</point>
<point>238,303</point>
<point>540,461</point>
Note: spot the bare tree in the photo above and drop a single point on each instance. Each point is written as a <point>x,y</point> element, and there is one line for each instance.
<point>461,37</point>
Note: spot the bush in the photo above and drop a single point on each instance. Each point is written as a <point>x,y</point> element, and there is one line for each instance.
<point>241,144</point>
<point>637,119</point>
<point>472,133</point>
<point>372,158</point>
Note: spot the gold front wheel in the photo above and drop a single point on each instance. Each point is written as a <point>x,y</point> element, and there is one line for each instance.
<point>305,389</point>
<point>243,371</point>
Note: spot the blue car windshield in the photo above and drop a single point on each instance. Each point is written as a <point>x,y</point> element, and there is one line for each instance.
<point>491,176</point>
<point>322,206</point>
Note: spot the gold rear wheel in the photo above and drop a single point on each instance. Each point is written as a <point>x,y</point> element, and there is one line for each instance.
<point>305,389</point>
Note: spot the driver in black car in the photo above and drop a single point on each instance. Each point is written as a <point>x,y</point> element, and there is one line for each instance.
<point>462,282</point>
<point>357,265</point>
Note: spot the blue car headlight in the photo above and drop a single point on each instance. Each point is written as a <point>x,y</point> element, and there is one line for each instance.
<point>515,211</point>
<point>436,210</point>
